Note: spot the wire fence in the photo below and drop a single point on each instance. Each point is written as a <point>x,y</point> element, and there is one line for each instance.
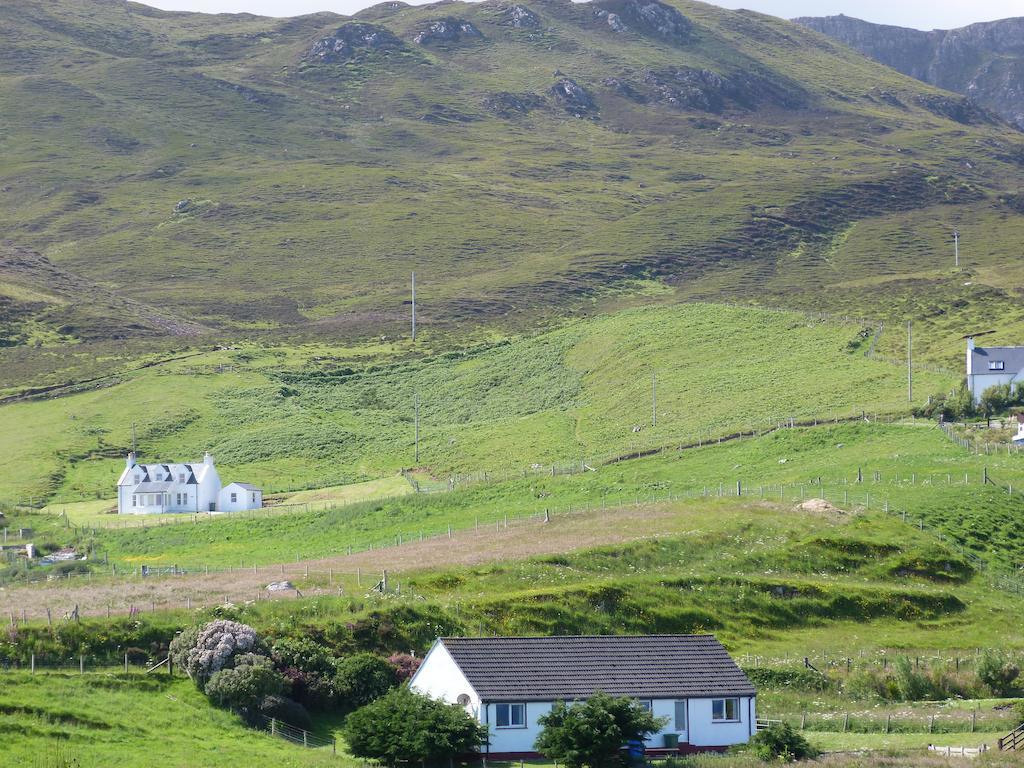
<point>318,575</point>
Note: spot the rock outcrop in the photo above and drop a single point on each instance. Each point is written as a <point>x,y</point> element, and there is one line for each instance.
<point>505,104</point>
<point>710,91</point>
<point>984,62</point>
<point>576,99</point>
<point>448,30</point>
<point>521,17</point>
<point>349,39</point>
<point>647,17</point>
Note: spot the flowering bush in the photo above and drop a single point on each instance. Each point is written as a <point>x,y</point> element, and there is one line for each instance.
<point>215,648</point>
<point>405,666</point>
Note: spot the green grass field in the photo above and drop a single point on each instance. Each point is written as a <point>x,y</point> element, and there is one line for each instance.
<point>313,417</point>
<point>99,719</point>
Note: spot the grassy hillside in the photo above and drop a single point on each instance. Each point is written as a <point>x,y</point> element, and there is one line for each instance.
<point>315,416</point>
<point>177,174</point>
<point>101,719</point>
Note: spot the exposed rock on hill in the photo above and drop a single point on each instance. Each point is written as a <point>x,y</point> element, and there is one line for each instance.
<point>522,17</point>
<point>984,62</point>
<point>349,39</point>
<point>709,91</point>
<point>505,104</point>
<point>648,17</point>
<point>574,97</point>
<point>449,30</point>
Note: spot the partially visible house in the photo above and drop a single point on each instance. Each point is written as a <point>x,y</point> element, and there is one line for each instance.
<point>508,683</point>
<point>236,497</point>
<point>1018,439</point>
<point>145,489</point>
<point>989,366</point>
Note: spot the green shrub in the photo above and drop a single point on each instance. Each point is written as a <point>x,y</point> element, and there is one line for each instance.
<point>592,733</point>
<point>407,727</point>
<point>910,684</point>
<point>361,679</point>
<point>247,684</point>
<point>303,654</point>
<point>997,672</point>
<point>781,743</point>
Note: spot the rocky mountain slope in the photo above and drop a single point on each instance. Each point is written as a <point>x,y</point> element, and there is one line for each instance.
<point>280,178</point>
<point>983,61</point>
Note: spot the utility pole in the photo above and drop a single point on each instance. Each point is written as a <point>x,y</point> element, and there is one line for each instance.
<point>956,248</point>
<point>416,409</point>
<point>133,437</point>
<point>910,362</point>
<point>414,306</point>
<point>654,399</point>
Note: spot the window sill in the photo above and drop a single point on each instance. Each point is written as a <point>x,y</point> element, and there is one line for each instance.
<point>725,722</point>
<point>510,727</point>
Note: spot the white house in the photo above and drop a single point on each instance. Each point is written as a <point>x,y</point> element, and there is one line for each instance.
<point>236,497</point>
<point>988,366</point>
<point>145,489</point>
<point>507,683</point>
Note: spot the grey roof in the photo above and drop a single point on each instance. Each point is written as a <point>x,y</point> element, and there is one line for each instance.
<point>1012,357</point>
<point>247,486</point>
<point>568,667</point>
<point>151,487</point>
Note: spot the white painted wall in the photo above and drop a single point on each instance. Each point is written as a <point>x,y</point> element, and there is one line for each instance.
<point>705,732</point>
<point>244,499</point>
<point>516,739</point>
<point>977,383</point>
<point>439,677</point>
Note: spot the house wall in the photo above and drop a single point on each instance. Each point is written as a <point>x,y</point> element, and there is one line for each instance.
<point>244,499</point>
<point>700,731</point>
<point>977,383</point>
<point>439,677</point>
<point>208,490</point>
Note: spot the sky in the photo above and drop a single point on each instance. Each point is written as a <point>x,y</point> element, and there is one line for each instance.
<point>920,14</point>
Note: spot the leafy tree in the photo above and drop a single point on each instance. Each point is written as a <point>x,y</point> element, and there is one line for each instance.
<point>287,711</point>
<point>995,399</point>
<point>781,743</point>
<point>997,672</point>
<point>405,726</point>
<point>244,686</point>
<point>310,668</point>
<point>361,678</point>
<point>592,732</point>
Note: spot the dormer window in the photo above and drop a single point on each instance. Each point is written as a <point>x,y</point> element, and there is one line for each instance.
<point>996,365</point>
<point>181,477</point>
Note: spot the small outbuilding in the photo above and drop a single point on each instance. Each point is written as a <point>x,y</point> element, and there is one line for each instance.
<point>237,497</point>
<point>507,683</point>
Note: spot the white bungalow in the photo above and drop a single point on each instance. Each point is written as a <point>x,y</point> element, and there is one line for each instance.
<point>989,366</point>
<point>145,489</point>
<point>507,683</point>
<point>236,497</point>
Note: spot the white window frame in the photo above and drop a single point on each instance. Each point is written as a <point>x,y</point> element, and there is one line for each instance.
<point>181,477</point>
<point>234,498</point>
<point>680,709</point>
<point>996,365</point>
<point>725,710</point>
<point>646,704</point>
<point>135,500</point>
<point>509,708</point>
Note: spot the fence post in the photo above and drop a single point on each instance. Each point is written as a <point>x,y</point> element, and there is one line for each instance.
<point>81,665</point>
<point>273,726</point>
<point>33,663</point>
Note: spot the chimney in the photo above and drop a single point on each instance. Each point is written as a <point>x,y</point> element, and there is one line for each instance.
<point>130,459</point>
<point>970,343</point>
<point>208,459</point>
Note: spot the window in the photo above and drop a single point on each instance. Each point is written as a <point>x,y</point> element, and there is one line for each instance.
<point>646,704</point>
<point>137,476</point>
<point>178,499</point>
<point>234,497</point>
<point>510,715</point>
<point>181,477</point>
<point>725,710</point>
<point>680,716</point>
<point>135,501</point>
<point>254,498</point>
<point>996,365</point>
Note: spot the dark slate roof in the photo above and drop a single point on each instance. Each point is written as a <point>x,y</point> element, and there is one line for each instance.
<point>553,668</point>
<point>153,487</point>
<point>1012,357</point>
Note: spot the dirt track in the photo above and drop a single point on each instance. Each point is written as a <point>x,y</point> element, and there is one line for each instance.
<point>332,575</point>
